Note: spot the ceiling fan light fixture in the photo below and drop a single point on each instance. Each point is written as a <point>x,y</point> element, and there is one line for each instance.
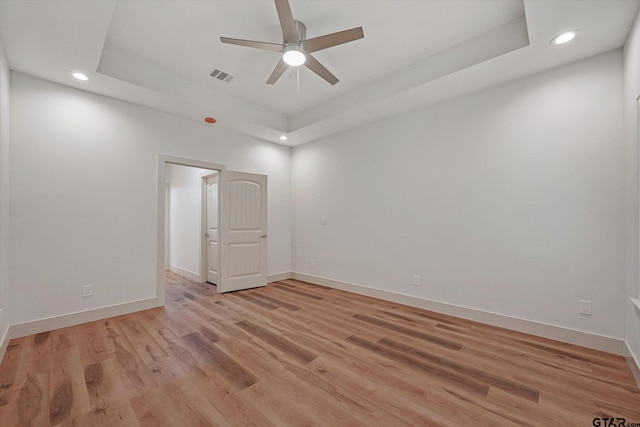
<point>294,55</point>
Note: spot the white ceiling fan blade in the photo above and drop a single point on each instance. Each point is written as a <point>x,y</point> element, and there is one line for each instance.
<point>281,67</point>
<point>289,32</point>
<point>314,65</point>
<point>334,39</point>
<point>250,43</point>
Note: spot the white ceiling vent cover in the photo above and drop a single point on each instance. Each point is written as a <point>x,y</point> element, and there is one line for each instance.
<point>221,75</point>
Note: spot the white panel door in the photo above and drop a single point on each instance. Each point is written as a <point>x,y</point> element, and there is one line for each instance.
<point>243,231</point>
<point>213,253</point>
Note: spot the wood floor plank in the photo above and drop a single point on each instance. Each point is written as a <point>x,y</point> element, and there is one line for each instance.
<point>61,339</point>
<point>174,320</point>
<point>135,376</point>
<point>119,414</point>
<point>292,353</point>
<point>92,346</point>
<point>9,370</point>
<point>182,355</point>
<point>399,380</point>
<point>202,320</point>
<point>145,346</point>
<point>446,377</point>
<point>317,408</point>
<point>275,301</point>
<point>374,402</point>
<point>103,385</point>
<point>503,402</point>
<point>36,350</point>
<point>30,402</point>
<point>273,393</point>
<point>232,406</point>
<point>219,360</point>
<point>257,301</point>
<point>259,361</point>
<point>296,291</point>
<point>552,380</point>
<point>68,396</point>
<point>175,405</point>
<point>277,341</point>
<point>410,332</point>
<point>492,379</point>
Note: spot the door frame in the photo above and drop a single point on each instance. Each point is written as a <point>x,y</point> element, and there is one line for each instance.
<point>163,160</point>
<point>167,226</point>
<point>204,260</point>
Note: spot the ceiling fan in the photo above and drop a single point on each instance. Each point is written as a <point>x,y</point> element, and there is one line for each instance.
<point>296,48</point>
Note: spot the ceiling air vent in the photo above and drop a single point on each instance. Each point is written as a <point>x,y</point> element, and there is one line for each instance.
<point>221,75</point>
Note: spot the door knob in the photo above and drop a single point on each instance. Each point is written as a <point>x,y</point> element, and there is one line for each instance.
<point>206,234</point>
<point>264,236</point>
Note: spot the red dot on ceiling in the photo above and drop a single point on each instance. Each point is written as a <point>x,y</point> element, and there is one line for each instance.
<point>210,120</point>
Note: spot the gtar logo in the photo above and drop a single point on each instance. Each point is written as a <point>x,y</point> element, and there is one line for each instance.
<point>609,422</point>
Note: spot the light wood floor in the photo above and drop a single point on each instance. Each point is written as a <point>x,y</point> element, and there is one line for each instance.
<point>296,354</point>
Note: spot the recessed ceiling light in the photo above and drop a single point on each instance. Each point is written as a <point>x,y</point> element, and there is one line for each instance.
<point>283,138</point>
<point>80,76</point>
<point>563,38</point>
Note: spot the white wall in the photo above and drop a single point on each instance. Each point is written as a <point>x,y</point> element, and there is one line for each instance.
<point>185,219</point>
<point>631,93</point>
<point>83,184</point>
<point>4,193</point>
<point>508,200</point>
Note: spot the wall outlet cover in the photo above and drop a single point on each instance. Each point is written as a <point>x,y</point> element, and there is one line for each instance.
<point>585,307</point>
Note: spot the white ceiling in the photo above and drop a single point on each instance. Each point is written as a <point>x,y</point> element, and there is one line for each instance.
<point>159,53</point>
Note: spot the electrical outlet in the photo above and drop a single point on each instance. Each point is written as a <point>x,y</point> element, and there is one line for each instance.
<point>416,280</point>
<point>324,220</point>
<point>87,290</point>
<point>312,263</point>
<point>585,307</point>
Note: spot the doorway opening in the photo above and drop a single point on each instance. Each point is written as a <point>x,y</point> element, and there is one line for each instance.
<point>181,240</point>
<point>191,223</point>
<point>212,225</point>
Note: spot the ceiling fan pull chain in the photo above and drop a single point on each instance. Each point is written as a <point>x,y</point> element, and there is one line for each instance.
<point>298,70</point>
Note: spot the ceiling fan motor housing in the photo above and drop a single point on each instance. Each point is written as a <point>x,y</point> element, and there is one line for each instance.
<point>301,29</point>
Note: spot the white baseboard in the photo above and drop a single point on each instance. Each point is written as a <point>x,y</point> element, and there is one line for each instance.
<point>193,276</point>
<point>4,343</point>
<point>633,362</point>
<point>71,319</point>
<point>585,339</point>
<point>186,273</point>
<point>280,276</point>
